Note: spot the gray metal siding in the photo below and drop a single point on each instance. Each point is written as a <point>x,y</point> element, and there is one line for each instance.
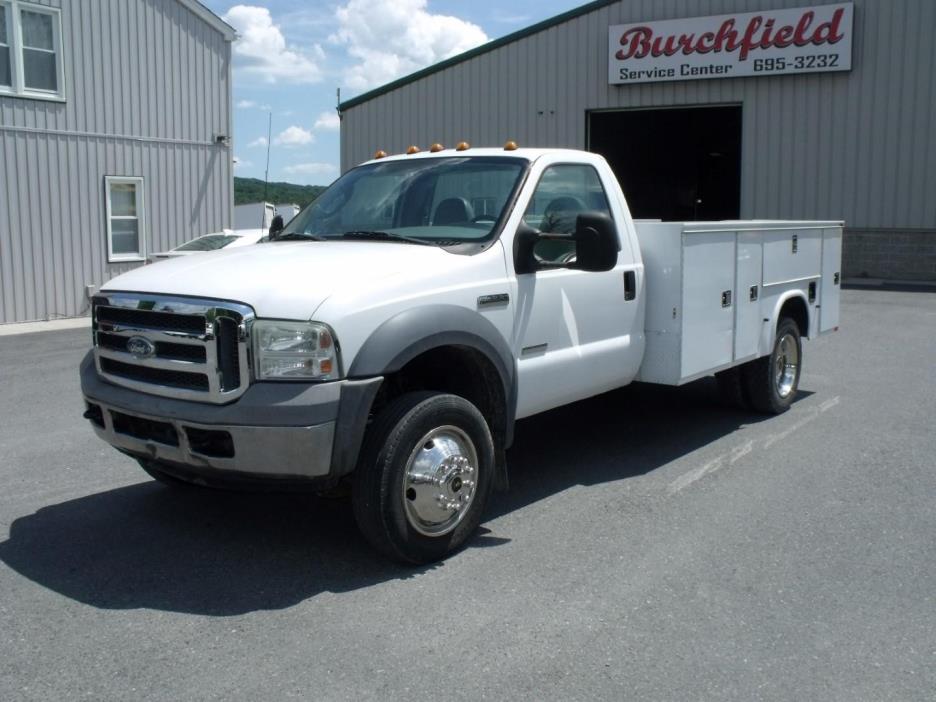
<point>857,146</point>
<point>148,86</point>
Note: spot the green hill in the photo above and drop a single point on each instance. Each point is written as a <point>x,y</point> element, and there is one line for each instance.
<point>251,190</point>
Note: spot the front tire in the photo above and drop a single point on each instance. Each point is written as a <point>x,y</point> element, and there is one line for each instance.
<point>773,381</point>
<point>425,474</point>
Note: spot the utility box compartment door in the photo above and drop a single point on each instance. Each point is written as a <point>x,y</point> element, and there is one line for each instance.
<point>708,301</point>
<point>791,254</point>
<point>748,320</point>
<point>831,279</point>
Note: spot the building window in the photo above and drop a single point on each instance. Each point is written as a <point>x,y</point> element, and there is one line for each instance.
<point>6,62</point>
<point>31,50</point>
<point>126,219</point>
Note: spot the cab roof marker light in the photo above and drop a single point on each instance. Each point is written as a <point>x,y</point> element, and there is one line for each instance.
<point>436,147</point>
<point>463,146</point>
<point>380,154</point>
<point>510,146</point>
<point>412,150</point>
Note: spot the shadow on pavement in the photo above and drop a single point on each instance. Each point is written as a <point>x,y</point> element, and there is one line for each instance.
<point>222,554</point>
<point>618,435</point>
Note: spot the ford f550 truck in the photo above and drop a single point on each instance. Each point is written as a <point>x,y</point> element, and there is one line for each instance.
<point>396,330</point>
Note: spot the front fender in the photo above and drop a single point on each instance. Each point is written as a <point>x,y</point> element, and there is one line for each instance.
<point>412,332</point>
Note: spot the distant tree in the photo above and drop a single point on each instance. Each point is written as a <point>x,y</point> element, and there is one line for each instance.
<point>251,190</point>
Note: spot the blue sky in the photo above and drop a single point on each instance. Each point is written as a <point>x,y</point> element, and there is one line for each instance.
<point>292,55</point>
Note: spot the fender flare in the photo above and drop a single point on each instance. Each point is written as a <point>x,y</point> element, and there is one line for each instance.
<point>406,335</point>
<point>767,338</point>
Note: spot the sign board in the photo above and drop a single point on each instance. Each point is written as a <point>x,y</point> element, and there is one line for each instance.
<point>802,40</point>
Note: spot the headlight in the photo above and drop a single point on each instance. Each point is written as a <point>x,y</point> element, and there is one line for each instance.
<point>294,351</point>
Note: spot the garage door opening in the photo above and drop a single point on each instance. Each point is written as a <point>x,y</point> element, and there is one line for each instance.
<point>674,164</point>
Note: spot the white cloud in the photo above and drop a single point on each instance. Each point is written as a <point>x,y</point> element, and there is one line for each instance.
<point>250,104</point>
<point>257,143</point>
<point>390,38</point>
<point>261,50</point>
<point>294,136</point>
<point>327,120</point>
<point>315,168</point>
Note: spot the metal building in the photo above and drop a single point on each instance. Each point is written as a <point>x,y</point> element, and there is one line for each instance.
<point>829,113</point>
<point>115,118</point>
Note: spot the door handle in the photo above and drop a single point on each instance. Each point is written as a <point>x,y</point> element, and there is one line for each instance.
<point>630,285</point>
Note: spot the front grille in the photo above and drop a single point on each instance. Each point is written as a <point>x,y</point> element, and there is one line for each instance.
<point>147,319</point>
<point>157,376</point>
<point>228,360</point>
<point>186,348</point>
<point>164,349</point>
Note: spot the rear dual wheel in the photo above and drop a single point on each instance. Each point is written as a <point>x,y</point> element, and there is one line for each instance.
<point>772,382</point>
<point>768,384</point>
<point>424,477</point>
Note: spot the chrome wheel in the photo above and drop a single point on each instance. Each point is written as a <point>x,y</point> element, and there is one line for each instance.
<point>786,368</point>
<point>440,480</point>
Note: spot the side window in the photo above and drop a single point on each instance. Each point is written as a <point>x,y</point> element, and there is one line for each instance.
<point>31,50</point>
<point>563,193</point>
<point>126,234</point>
<point>40,51</point>
<point>6,63</point>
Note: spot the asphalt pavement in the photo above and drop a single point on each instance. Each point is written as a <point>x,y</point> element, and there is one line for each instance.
<point>653,546</point>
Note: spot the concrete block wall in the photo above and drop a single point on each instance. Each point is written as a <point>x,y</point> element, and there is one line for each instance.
<point>890,254</point>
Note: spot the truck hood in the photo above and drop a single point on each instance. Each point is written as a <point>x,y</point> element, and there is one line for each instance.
<point>287,280</point>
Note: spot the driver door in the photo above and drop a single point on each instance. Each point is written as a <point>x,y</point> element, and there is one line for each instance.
<point>573,328</point>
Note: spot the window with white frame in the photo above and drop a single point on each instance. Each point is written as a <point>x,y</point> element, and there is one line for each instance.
<point>6,54</point>
<point>31,50</point>
<point>126,220</point>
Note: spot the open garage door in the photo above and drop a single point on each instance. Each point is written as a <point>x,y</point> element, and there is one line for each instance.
<point>675,164</point>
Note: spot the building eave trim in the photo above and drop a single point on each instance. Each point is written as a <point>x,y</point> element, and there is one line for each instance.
<point>194,6</point>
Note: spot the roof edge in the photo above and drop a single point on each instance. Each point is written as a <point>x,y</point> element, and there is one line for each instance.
<point>471,53</point>
<point>199,10</point>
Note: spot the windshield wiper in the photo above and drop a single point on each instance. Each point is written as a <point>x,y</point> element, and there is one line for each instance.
<point>385,236</point>
<point>298,236</point>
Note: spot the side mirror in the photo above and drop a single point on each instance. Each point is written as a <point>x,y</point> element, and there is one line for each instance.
<point>276,226</point>
<point>596,243</point>
<point>524,242</point>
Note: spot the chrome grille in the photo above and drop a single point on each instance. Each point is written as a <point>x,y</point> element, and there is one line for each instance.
<point>185,348</point>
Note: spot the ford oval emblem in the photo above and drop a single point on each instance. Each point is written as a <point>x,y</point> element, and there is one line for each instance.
<point>140,347</point>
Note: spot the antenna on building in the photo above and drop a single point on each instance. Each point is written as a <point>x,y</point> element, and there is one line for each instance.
<point>266,175</point>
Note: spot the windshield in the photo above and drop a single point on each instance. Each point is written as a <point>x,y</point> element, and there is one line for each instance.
<point>457,199</point>
<point>209,242</point>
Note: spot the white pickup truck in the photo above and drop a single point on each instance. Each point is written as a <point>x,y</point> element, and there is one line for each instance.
<point>394,332</point>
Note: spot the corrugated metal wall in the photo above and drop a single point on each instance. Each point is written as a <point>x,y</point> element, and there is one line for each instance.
<point>858,146</point>
<point>147,89</point>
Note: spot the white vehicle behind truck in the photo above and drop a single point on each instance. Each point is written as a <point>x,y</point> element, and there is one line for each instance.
<point>391,336</point>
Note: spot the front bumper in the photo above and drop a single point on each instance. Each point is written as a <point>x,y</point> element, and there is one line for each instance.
<point>274,431</point>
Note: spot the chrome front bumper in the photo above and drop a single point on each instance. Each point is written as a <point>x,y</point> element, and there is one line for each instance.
<point>276,452</point>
